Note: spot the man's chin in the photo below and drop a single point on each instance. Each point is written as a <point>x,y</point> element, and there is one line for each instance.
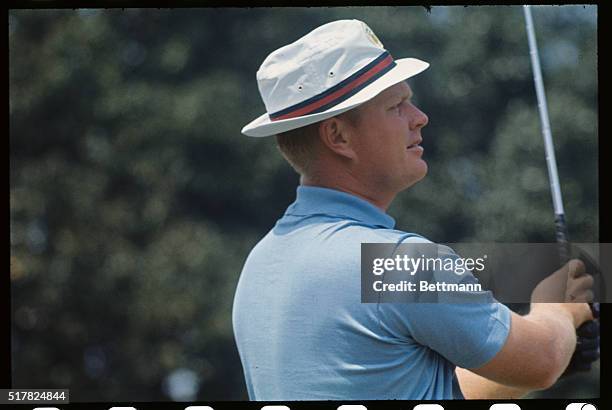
<point>416,177</point>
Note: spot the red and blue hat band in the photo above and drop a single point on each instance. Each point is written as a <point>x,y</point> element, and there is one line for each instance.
<point>341,91</point>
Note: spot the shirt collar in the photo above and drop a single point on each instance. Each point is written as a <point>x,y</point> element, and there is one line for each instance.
<point>312,200</point>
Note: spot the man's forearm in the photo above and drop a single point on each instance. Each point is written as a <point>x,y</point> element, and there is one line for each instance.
<point>537,351</point>
<point>474,386</point>
<point>560,323</point>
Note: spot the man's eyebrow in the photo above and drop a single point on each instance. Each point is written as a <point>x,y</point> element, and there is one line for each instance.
<point>405,95</point>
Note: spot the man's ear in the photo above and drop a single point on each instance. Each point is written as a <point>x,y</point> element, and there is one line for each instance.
<point>336,135</point>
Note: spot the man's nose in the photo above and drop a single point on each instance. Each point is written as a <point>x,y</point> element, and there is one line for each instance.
<point>418,118</point>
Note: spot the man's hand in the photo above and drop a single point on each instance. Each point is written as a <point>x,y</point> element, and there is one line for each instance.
<point>570,283</point>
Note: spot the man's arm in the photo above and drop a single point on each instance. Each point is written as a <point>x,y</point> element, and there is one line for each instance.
<point>537,350</point>
<point>474,386</point>
<point>539,345</point>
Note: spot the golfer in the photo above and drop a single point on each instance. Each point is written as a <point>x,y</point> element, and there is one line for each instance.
<point>341,110</point>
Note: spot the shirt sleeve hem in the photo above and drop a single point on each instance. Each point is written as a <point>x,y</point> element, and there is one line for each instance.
<point>493,344</point>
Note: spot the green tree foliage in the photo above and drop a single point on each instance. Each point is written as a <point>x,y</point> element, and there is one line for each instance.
<point>134,199</point>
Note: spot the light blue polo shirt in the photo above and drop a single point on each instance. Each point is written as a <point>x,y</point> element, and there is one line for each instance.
<point>303,333</point>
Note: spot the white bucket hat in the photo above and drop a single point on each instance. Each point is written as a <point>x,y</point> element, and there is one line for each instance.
<point>330,70</point>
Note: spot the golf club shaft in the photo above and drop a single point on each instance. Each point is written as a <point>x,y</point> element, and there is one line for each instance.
<point>551,162</point>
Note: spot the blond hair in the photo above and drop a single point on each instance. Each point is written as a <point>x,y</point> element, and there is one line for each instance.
<point>300,146</point>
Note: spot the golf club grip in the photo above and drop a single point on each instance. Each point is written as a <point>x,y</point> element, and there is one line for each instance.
<point>562,238</point>
<point>564,254</point>
<point>596,309</point>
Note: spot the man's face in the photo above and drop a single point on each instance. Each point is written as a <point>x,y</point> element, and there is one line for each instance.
<point>386,140</point>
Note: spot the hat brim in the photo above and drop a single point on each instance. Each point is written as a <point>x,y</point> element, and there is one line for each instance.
<point>404,69</point>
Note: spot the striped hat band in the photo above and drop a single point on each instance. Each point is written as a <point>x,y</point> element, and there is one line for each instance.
<point>341,91</point>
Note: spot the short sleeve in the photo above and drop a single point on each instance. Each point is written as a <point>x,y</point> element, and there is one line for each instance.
<point>467,328</point>
<point>466,334</point>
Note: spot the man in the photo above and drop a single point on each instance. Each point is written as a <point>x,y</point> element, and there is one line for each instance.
<point>343,116</point>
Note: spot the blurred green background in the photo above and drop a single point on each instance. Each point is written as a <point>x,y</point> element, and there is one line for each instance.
<point>134,199</point>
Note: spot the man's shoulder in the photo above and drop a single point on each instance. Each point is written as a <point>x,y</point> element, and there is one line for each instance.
<point>330,228</point>
<point>385,235</point>
<point>359,231</point>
